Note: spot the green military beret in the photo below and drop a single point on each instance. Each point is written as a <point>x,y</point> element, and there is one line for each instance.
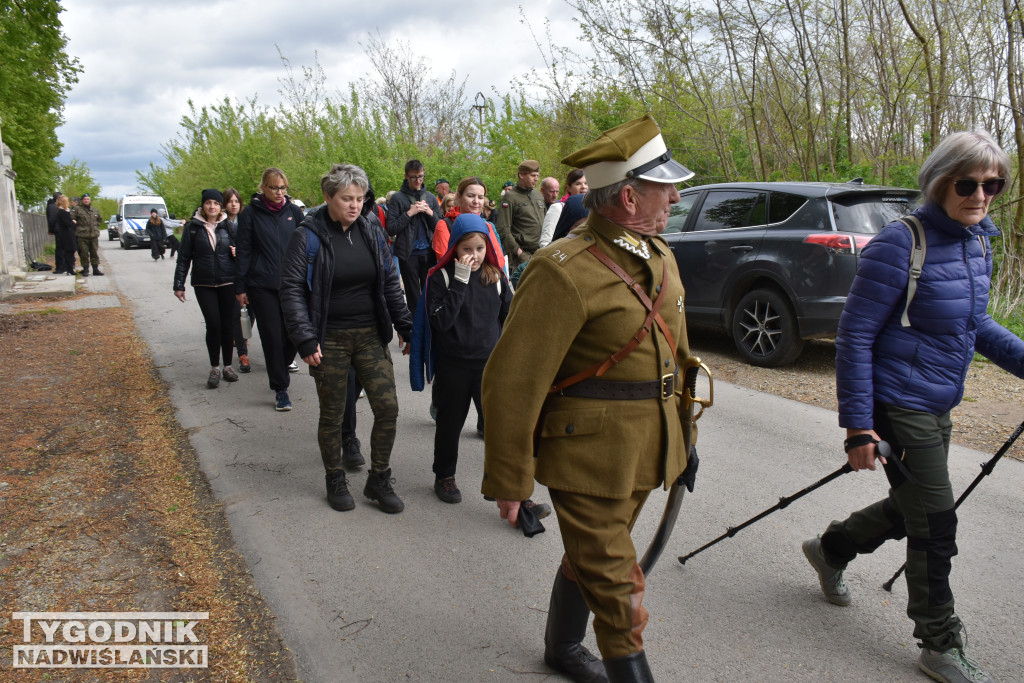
<point>634,149</point>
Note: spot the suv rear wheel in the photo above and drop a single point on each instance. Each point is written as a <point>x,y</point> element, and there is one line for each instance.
<point>764,329</point>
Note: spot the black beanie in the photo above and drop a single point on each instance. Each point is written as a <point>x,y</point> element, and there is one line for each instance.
<point>213,194</point>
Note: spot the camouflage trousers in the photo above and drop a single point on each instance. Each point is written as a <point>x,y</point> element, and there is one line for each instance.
<point>88,249</point>
<point>363,350</point>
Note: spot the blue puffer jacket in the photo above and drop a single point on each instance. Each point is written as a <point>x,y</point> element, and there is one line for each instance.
<point>921,367</point>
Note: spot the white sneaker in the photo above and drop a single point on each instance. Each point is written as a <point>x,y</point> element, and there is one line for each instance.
<point>294,367</point>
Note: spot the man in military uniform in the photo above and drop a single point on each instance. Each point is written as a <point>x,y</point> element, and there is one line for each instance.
<point>598,418</point>
<point>87,229</point>
<point>521,216</point>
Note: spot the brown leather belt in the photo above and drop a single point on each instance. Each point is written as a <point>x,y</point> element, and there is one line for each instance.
<point>623,391</point>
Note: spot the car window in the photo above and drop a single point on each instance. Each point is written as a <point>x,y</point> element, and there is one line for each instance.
<point>140,210</point>
<point>869,213</point>
<point>731,209</point>
<point>680,211</point>
<point>782,205</point>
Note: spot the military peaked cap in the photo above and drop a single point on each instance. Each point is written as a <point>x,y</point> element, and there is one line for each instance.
<point>634,149</point>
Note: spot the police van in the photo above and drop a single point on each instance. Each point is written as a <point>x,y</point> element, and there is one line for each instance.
<point>132,215</point>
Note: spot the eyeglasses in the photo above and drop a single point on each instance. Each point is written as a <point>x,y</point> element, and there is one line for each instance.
<point>968,186</point>
<point>277,188</point>
<point>416,177</point>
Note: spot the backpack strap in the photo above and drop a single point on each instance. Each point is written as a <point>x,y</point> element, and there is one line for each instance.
<point>312,247</point>
<point>918,249</point>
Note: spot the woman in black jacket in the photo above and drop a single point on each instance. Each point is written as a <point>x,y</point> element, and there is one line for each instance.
<point>340,312</point>
<point>206,247</point>
<point>264,227</point>
<point>64,232</point>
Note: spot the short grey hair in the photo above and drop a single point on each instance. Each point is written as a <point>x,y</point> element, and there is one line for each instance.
<point>956,156</point>
<point>340,177</point>
<point>608,196</point>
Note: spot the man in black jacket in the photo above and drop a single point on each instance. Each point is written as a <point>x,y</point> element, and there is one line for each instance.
<point>413,213</point>
<point>51,227</point>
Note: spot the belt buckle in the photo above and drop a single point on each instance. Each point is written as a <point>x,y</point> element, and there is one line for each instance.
<point>668,386</point>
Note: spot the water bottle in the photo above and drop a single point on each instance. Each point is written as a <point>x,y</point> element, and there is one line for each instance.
<point>246,323</point>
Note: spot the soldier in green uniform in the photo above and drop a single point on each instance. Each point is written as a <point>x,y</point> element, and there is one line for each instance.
<point>87,229</point>
<point>597,418</point>
<point>521,216</point>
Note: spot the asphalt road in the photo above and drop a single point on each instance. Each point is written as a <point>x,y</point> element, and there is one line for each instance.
<point>448,593</point>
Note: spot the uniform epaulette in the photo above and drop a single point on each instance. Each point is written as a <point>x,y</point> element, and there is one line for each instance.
<point>561,251</point>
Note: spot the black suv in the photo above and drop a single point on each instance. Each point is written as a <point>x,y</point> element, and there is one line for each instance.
<point>772,263</point>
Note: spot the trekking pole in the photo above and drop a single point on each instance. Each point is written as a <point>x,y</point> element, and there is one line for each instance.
<point>882,449</point>
<point>986,469</point>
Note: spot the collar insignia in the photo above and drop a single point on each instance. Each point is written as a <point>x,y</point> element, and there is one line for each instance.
<point>632,244</point>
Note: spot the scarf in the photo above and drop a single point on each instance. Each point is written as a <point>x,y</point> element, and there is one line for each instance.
<point>273,206</point>
<point>210,227</point>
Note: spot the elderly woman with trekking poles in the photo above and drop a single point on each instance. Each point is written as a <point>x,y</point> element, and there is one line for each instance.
<point>916,313</point>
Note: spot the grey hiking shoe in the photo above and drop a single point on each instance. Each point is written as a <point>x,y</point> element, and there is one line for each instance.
<point>952,666</point>
<point>831,579</point>
<point>213,379</point>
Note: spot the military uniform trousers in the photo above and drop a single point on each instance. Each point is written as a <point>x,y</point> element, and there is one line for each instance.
<point>922,512</point>
<point>363,350</point>
<point>88,250</point>
<point>601,558</point>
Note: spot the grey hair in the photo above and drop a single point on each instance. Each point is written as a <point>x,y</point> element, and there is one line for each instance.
<point>608,196</point>
<point>957,155</point>
<point>341,176</point>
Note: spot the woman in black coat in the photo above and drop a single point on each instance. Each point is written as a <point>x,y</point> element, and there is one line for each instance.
<point>342,313</point>
<point>206,247</point>
<point>64,234</point>
<point>264,227</point>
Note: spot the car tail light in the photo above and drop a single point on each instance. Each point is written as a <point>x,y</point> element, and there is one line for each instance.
<point>841,243</point>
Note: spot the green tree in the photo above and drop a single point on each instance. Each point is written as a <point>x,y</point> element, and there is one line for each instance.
<point>36,74</point>
<point>74,179</point>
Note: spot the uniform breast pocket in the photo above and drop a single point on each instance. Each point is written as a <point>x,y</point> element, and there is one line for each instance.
<point>569,423</point>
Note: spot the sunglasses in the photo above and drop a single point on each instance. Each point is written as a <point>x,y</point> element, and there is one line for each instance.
<point>968,186</point>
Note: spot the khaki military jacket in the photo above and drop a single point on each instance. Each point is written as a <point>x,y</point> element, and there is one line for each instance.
<point>87,221</point>
<point>570,312</point>
<point>520,220</point>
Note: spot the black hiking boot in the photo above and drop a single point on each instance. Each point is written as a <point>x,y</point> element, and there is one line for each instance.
<point>351,455</point>
<point>568,615</point>
<point>337,491</point>
<point>378,487</point>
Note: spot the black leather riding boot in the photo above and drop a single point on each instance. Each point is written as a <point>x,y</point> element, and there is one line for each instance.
<point>629,669</point>
<point>563,636</point>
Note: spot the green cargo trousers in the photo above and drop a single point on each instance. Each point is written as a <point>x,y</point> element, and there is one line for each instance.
<point>920,510</point>
<point>363,350</point>
<point>89,250</point>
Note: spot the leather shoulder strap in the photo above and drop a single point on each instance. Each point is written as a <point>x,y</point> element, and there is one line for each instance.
<point>602,367</point>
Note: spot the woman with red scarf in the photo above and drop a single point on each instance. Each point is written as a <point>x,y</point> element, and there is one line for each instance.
<point>470,197</point>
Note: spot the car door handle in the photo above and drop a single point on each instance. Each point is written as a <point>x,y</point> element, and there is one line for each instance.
<point>742,248</point>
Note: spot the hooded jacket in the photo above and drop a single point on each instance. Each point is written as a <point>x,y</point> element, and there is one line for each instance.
<point>403,227</point>
<point>211,267</point>
<point>458,320</point>
<point>442,235</point>
<point>260,242</point>
<point>305,310</point>
<point>921,367</point>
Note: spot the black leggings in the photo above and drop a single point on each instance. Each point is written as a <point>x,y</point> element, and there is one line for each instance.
<point>218,307</point>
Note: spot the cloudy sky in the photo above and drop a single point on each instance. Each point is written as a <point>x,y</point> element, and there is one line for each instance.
<point>144,60</point>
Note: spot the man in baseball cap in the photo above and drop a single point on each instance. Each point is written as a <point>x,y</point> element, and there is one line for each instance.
<point>579,399</point>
